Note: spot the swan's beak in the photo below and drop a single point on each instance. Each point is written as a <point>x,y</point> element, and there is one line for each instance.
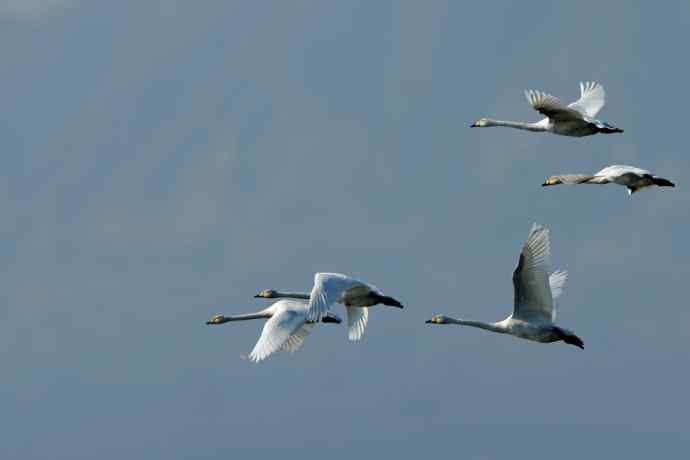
<point>428,322</point>
<point>257,296</point>
<point>473,125</point>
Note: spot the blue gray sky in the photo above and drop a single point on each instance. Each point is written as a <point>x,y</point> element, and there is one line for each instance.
<point>165,160</point>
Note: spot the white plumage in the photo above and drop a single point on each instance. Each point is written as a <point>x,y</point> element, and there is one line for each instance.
<point>576,119</point>
<point>634,179</point>
<point>535,294</point>
<point>285,330</point>
<point>332,288</point>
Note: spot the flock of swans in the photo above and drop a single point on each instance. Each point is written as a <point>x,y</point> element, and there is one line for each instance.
<point>293,316</point>
<point>291,320</point>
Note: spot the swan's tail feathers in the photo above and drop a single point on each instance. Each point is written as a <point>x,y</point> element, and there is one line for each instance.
<point>390,301</point>
<point>661,182</point>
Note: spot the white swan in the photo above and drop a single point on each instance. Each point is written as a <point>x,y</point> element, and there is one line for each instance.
<point>634,179</point>
<point>576,119</point>
<point>331,288</point>
<point>535,292</point>
<point>284,331</point>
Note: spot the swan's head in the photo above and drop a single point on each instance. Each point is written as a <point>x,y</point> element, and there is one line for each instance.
<point>216,319</point>
<point>267,294</point>
<point>553,180</point>
<point>438,319</point>
<point>481,123</point>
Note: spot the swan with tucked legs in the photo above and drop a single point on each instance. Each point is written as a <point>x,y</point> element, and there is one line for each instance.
<point>575,120</point>
<point>533,316</point>
<point>331,288</point>
<point>632,178</point>
<point>285,330</point>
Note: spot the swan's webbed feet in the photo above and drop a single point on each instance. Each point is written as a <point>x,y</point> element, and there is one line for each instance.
<point>329,318</point>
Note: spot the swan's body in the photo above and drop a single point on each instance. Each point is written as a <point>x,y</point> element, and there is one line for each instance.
<point>285,330</point>
<point>533,316</point>
<point>331,288</point>
<point>576,119</point>
<point>634,179</point>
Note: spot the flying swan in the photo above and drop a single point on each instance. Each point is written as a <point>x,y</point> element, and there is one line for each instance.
<point>331,288</point>
<point>285,329</point>
<point>634,179</point>
<point>535,293</point>
<point>576,119</point>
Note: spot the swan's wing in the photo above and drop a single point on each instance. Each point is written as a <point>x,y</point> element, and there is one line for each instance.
<point>614,171</point>
<point>551,106</point>
<point>326,291</point>
<point>533,301</point>
<point>557,281</point>
<point>591,100</point>
<point>276,333</point>
<point>357,318</point>
<point>295,341</point>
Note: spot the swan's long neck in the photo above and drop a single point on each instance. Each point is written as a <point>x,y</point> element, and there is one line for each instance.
<point>517,125</point>
<point>258,315</point>
<point>291,295</point>
<point>493,327</point>
<point>578,179</point>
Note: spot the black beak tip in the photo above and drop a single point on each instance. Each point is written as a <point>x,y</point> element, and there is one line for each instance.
<point>473,125</point>
<point>257,296</point>
<point>427,321</point>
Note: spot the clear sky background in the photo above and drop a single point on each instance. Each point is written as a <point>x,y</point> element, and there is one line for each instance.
<point>165,160</point>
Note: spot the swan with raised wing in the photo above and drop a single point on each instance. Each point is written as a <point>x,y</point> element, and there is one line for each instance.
<point>576,119</point>
<point>285,330</point>
<point>634,179</point>
<point>331,288</point>
<point>533,316</point>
